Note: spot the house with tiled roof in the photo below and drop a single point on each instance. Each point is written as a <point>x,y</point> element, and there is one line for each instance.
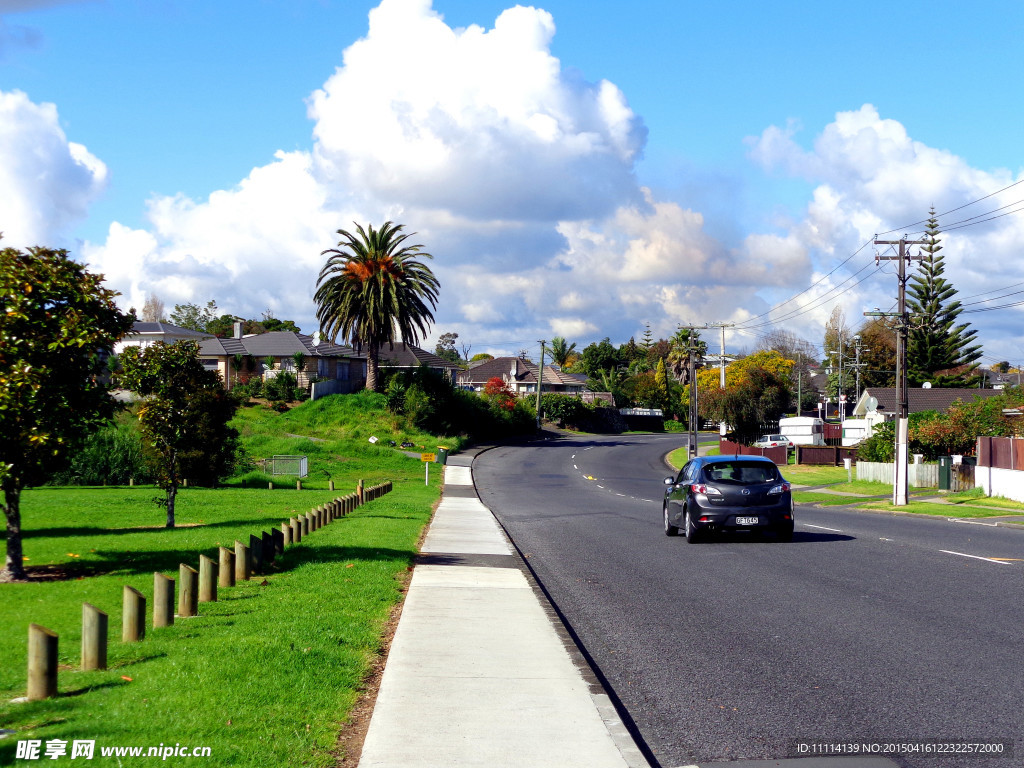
<point>520,375</point>
<point>267,354</point>
<point>143,334</point>
<point>405,356</point>
<point>918,399</point>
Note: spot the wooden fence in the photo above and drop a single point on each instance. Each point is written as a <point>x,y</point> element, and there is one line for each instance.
<point>1001,453</point>
<point>824,455</point>
<point>195,588</point>
<point>779,455</point>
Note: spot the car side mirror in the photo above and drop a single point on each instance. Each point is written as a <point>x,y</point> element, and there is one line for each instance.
<point>670,481</point>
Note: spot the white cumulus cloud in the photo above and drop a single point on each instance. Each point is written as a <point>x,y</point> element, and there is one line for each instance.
<point>46,182</point>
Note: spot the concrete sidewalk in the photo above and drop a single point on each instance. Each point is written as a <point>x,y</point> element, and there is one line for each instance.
<point>477,674</point>
<point>481,672</point>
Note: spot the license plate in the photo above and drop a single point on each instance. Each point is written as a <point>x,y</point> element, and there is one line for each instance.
<point>746,521</point>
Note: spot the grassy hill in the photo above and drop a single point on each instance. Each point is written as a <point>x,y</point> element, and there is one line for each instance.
<point>264,676</point>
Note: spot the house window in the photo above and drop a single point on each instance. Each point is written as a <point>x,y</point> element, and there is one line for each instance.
<point>343,370</point>
<point>322,368</point>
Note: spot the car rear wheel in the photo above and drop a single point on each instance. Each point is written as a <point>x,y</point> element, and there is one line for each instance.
<point>691,530</point>
<point>670,530</point>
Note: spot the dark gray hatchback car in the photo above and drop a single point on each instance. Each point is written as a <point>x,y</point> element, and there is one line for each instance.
<point>728,493</point>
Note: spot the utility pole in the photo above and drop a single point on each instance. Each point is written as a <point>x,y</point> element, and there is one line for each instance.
<point>540,380</point>
<point>721,364</point>
<point>899,486</point>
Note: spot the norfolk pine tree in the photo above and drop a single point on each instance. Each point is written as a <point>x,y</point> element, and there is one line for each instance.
<point>937,344</point>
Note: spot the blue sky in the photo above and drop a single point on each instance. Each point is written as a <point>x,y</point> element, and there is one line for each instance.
<point>738,153</point>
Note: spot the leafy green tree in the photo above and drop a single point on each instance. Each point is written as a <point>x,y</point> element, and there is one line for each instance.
<point>481,356</point>
<point>759,397</point>
<point>271,323</point>
<point>561,351</point>
<point>184,416</point>
<point>599,356</point>
<point>445,348</point>
<point>55,319</point>
<point>372,286</point>
<point>194,317</point>
<point>940,350</point>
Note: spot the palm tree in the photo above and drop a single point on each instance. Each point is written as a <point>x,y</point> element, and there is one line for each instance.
<point>560,350</point>
<point>371,286</point>
<point>685,343</point>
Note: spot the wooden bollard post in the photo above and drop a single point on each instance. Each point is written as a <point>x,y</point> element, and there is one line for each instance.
<point>270,485</point>
<point>330,485</point>
<point>131,482</point>
<point>163,600</point>
<point>94,637</point>
<point>277,540</point>
<point>256,553</point>
<point>304,520</point>
<point>298,485</point>
<point>359,493</point>
<point>242,564</point>
<point>296,525</point>
<point>268,548</point>
<point>42,662</point>
<point>133,616</point>
<point>226,568</point>
<point>188,590</point>
<point>286,534</point>
<point>207,580</point>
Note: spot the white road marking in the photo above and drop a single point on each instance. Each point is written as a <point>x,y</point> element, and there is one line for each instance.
<point>974,557</point>
<point>822,527</point>
<point>574,466</point>
<point>972,522</point>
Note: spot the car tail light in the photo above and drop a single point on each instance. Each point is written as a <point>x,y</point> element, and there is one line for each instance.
<point>777,489</point>
<point>707,490</point>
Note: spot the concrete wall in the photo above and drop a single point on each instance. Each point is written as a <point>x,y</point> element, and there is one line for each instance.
<point>1008,483</point>
<point>918,476</point>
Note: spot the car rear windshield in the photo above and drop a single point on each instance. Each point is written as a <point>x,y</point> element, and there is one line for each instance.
<point>741,473</point>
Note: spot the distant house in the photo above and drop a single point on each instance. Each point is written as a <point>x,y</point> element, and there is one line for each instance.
<point>918,399</point>
<point>143,334</point>
<point>520,375</point>
<point>409,357</point>
<point>239,359</point>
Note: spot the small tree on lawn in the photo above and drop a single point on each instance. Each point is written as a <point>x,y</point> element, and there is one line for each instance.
<point>184,416</point>
<point>54,319</point>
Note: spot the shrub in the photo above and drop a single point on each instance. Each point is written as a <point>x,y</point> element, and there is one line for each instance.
<point>282,387</point>
<point>113,454</point>
<point>567,410</point>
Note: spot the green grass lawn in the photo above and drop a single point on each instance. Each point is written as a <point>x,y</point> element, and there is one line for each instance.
<point>977,497</point>
<point>942,510</point>
<point>823,499</point>
<point>264,676</point>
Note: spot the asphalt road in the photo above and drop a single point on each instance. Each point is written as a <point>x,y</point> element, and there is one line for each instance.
<point>865,627</point>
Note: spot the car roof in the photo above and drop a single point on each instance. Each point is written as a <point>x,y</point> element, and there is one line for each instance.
<point>734,457</point>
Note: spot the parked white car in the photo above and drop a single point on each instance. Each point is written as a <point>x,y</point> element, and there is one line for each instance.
<point>773,441</point>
